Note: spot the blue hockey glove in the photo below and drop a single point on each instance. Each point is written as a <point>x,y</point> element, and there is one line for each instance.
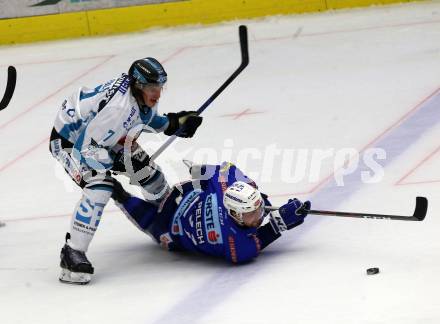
<point>294,212</point>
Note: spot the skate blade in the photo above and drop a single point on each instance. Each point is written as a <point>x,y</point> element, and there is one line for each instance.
<point>76,278</point>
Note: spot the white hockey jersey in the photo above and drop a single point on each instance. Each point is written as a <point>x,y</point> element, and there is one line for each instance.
<point>95,120</point>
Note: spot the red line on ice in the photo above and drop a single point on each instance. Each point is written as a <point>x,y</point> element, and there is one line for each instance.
<point>394,125</point>
<point>22,155</point>
<point>400,182</point>
<point>242,113</point>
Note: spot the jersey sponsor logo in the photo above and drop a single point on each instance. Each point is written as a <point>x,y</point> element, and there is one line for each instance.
<point>69,165</point>
<point>130,120</point>
<point>199,230</point>
<point>212,236</point>
<point>212,223</point>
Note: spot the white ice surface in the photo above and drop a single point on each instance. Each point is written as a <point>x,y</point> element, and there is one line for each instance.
<point>319,81</point>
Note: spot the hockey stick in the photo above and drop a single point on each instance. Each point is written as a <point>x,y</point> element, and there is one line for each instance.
<point>419,212</point>
<point>242,31</point>
<point>10,87</point>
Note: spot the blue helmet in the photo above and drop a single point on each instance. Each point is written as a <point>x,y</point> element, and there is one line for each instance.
<point>147,71</point>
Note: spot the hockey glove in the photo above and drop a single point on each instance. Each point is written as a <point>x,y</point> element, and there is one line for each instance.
<point>119,194</point>
<point>291,214</point>
<point>188,119</point>
<point>139,159</point>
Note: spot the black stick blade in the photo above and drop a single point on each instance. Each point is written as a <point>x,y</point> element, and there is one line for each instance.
<point>242,32</point>
<point>10,87</point>
<point>421,208</point>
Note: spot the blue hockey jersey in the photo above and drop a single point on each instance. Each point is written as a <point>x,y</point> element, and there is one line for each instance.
<point>193,218</point>
<point>201,222</point>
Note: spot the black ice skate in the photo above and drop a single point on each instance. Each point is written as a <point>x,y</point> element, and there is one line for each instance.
<point>75,268</point>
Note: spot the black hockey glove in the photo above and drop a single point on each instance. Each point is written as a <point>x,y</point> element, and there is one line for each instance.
<point>119,194</point>
<point>139,159</point>
<point>188,119</point>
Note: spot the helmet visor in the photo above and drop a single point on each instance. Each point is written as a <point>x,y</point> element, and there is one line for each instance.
<point>255,217</point>
<point>150,86</point>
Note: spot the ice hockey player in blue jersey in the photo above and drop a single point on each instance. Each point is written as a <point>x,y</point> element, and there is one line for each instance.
<point>219,212</point>
<point>94,134</point>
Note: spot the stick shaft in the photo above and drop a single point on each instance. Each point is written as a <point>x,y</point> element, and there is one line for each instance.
<point>244,62</point>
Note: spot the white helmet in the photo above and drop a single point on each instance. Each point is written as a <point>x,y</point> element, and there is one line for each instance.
<point>241,198</point>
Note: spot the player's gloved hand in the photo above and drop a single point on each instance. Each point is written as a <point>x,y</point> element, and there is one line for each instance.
<point>294,212</point>
<point>188,119</point>
<point>119,194</point>
<point>139,159</point>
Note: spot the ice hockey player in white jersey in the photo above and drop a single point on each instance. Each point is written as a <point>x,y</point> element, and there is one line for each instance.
<point>88,139</point>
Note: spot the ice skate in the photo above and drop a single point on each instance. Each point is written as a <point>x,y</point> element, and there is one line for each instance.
<point>75,268</point>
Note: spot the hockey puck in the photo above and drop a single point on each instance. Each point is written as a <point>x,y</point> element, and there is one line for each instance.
<point>372,271</point>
